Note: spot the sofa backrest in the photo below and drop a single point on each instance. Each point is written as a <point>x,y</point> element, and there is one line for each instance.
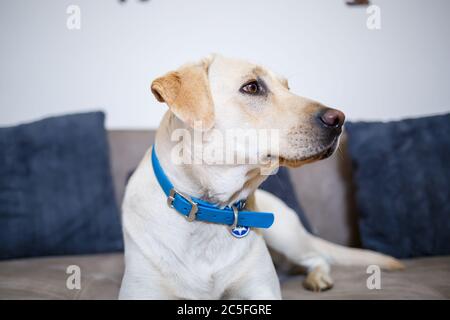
<point>324,188</point>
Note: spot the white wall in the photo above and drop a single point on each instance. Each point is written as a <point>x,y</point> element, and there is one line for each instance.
<point>322,46</point>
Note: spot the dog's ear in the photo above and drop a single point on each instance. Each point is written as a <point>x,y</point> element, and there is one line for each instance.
<point>186,92</point>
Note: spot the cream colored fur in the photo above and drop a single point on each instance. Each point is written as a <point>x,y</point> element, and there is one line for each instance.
<point>168,257</point>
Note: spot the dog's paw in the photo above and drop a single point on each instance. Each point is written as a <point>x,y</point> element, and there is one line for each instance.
<point>318,280</point>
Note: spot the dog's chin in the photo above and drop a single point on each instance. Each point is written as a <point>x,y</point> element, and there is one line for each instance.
<point>324,153</point>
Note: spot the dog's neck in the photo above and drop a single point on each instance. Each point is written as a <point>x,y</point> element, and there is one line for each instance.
<point>219,184</point>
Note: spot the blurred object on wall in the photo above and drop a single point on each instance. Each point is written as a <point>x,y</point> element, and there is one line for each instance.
<point>358,2</point>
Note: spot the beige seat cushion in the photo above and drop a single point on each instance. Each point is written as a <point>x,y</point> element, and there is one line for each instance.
<point>425,278</point>
<point>45,278</point>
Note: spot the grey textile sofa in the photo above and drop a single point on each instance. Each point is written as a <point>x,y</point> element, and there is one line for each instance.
<point>334,220</point>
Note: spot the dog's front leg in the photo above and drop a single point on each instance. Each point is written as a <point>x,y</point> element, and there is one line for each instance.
<point>135,287</point>
<point>141,281</point>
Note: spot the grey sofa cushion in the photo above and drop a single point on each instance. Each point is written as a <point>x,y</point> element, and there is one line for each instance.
<point>56,190</point>
<point>402,173</point>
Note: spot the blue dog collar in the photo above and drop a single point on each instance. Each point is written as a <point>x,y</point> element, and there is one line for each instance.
<point>197,209</point>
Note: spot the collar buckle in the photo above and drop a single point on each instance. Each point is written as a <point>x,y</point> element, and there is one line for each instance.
<point>194,208</point>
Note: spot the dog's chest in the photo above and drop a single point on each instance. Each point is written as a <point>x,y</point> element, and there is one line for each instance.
<point>206,257</point>
<point>214,245</point>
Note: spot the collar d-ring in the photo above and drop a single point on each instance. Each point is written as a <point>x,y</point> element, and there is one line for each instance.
<point>236,217</point>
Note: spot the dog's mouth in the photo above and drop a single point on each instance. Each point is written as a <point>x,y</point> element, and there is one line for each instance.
<point>324,153</point>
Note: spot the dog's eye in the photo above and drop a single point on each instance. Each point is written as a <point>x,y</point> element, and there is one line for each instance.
<point>252,87</point>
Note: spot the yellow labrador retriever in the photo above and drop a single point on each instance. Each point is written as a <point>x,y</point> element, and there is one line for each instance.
<point>212,254</point>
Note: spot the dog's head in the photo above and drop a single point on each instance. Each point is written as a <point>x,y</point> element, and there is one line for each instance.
<point>227,94</point>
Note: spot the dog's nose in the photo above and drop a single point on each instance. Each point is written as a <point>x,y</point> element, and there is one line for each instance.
<point>332,118</point>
